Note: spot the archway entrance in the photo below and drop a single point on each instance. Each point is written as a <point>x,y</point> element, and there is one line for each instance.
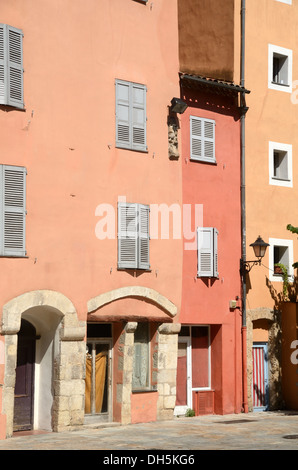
<point>24,386</point>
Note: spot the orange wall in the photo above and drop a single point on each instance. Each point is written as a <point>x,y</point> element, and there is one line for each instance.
<point>271,117</point>
<point>65,137</point>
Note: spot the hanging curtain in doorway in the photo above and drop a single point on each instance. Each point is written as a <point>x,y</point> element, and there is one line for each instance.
<point>100,375</point>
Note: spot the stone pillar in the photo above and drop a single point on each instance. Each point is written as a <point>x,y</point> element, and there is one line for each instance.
<point>167,369</point>
<point>11,341</point>
<point>69,377</point>
<point>126,365</point>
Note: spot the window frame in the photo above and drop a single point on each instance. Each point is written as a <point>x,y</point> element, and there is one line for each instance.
<point>285,243</point>
<point>15,208</point>
<point>147,341</point>
<point>136,234</point>
<point>8,93</point>
<point>288,2</point>
<point>274,50</point>
<point>202,139</point>
<point>213,249</point>
<point>131,143</point>
<point>287,149</point>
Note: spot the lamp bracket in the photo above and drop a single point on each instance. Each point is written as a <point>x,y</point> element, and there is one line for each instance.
<point>246,266</point>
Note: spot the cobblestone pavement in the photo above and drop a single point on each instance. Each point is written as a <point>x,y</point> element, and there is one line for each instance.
<point>252,431</point>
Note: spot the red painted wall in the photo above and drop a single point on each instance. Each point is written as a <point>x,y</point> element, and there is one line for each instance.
<point>217,187</point>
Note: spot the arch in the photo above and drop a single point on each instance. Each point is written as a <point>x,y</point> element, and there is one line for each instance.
<point>57,321</point>
<point>133,291</point>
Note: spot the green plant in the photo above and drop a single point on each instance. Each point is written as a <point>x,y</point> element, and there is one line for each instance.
<point>189,413</point>
<point>293,229</point>
<point>285,277</point>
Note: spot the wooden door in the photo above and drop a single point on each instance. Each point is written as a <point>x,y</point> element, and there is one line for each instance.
<point>24,386</point>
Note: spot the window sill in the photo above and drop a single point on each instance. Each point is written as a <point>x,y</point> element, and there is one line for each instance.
<point>144,390</point>
<point>286,180</point>
<point>201,160</point>
<point>280,84</point>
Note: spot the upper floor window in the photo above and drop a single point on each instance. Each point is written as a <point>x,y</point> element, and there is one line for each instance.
<point>11,66</point>
<point>131,115</point>
<point>202,139</point>
<point>280,68</point>
<point>12,210</point>
<point>280,252</point>
<point>280,164</point>
<point>133,236</point>
<point>207,252</point>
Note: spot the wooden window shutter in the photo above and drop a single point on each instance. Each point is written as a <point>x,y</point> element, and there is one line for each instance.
<point>13,210</point>
<point>130,115</point>
<point>138,109</point>
<point>11,66</point>
<point>127,235</point>
<point>202,139</point>
<point>143,237</point>
<point>215,252</point>
<point>123,127</point>
<point>207,252</point>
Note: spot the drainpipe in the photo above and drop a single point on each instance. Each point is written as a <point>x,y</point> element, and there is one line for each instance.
<point>243,109</point>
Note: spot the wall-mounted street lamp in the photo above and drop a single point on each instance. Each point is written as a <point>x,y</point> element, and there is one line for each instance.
<point>178,106</point>
<point>259,247</point>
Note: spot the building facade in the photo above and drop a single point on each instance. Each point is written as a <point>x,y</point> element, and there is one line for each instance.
<point>90,292</point>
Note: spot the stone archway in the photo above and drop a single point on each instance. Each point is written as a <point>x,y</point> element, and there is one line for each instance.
<point>68,365</point>
<point>164,357</point>
<point>273,318</point>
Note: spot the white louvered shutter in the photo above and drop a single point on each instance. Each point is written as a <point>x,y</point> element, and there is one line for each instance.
<point>127,235</point>
<point>196,138</point>
<point>13,213</point>
<point>205,251</point>
<point>15,67</point>
<point>130,115</point>
<point>138,113</point>
<point>123,128</point>
<point>215,252</point>
<point>3,68</point>
<point>202,139</point>
<point>143,237</point>
<point>11,66</point>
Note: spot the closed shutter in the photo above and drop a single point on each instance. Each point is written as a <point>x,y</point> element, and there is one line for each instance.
<point>138,117</point>
<point>143,237</point>
<point>13,213</point>
<point>130,115</point>
<point>123,132</point>
<point>133,236</point>
<point>11,66</point>
<point>127,235</point>
<point>207,252</point>
<point>202,139</point>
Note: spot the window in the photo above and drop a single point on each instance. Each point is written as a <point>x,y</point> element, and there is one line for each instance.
<point>12,210</point>
<point>131,115</point>
<point>280,164</point>
<point>141,358</point>
<point>133,236</point>
<point>11,66</point>
<point>280,68</point>
<point>202,139</point>
<point>280,252</point>
<point>207,252</point>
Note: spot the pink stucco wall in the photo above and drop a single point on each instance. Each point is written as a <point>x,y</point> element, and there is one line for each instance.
<point>217,188</point>
<point>65,137</point>
<point>73,52</point>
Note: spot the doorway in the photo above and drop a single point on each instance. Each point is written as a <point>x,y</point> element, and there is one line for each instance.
<point>24,385</point>
<point>260,385</point>
<point>98,381</point>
